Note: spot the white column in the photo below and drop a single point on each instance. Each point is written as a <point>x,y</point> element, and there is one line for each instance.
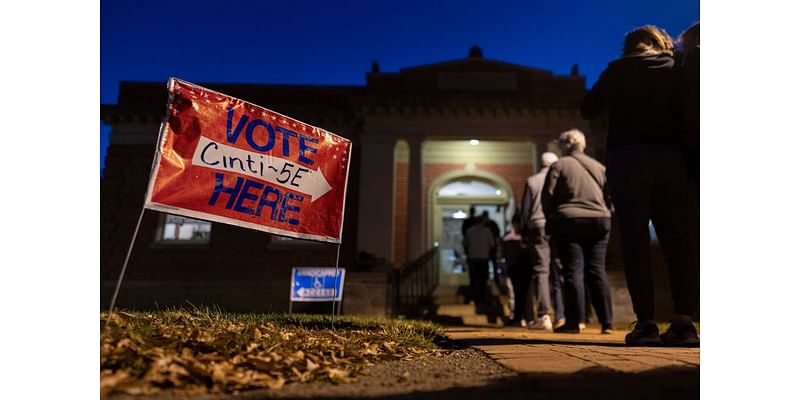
<point>415,224</point>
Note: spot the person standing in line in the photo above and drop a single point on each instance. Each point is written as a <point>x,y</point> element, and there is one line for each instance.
<point>578,214</point>
<point>471,220</point>
<point>556,285</point>
<point>465,225</point>
<point>642,94</point>
<point>493,253</point>
<point>690,68</point>
<point>690,71</point>
<point>478,244</point>
<point>539,245</point>
<point>518,265</point>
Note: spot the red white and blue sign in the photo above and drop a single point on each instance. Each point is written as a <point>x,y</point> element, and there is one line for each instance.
<point>223,159</point>
<point>317,284</point>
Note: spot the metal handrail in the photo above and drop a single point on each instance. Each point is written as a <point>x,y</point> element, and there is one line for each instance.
<point>413,284</point>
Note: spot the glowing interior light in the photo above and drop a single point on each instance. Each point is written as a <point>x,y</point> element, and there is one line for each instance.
<point>474,142</point>
<point>460,214</point>
<point>498,192</point>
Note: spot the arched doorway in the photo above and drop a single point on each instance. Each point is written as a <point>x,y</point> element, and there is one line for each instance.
<point>451,197</point>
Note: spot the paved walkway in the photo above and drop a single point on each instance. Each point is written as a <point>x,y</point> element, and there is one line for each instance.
<point>587,365</point>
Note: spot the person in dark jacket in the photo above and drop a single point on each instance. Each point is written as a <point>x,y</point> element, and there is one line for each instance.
<point>478,244</point>
<point>690,68</point>
<point>518,265</point>
<point>497,271</point>
<point>642,94</point>
<point>578,216</point>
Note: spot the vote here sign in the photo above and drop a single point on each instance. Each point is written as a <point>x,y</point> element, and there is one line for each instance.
<point>223,159</point>
<point>317,284</point>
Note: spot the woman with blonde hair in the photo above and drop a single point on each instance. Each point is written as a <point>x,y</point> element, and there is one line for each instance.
<point>641,91</point>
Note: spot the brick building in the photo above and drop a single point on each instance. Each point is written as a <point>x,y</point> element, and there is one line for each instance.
<point>428,142</point>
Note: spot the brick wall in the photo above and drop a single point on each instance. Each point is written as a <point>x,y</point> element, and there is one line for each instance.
<point>401,212</point>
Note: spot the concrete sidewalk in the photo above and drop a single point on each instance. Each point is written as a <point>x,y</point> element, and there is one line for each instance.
<point>586,365</point>
<point>524,350</point>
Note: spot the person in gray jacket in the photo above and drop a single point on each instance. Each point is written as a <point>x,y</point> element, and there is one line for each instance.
<point>544,262</point>
<point>578,213</point>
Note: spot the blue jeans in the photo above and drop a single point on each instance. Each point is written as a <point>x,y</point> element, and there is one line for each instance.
<point>582,244</point>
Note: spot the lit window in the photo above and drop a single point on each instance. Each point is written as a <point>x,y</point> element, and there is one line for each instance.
<point>177,229</point>
<point>469,187</point>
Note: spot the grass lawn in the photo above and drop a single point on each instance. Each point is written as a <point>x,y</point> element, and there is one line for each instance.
<point>209,351</point>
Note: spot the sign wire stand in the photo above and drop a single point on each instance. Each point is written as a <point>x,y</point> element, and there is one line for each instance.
<point>122,273</point>
<point>336,286</point>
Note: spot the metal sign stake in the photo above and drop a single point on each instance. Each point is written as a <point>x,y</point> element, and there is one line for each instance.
<point>336,284</point>
<point>122,274</point>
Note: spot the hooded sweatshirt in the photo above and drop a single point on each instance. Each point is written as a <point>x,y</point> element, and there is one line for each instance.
<point>642,94</point>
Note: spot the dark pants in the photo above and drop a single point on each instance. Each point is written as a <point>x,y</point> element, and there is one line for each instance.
<point>650,183</point>
<point>556,282</point>
<point>582,244</point>
<point>478,275</point>
<point>539,244</point>
<point>520,280</point>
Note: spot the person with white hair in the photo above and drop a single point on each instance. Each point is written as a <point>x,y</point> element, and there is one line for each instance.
<point>538,242</point>
<point>578,212</point>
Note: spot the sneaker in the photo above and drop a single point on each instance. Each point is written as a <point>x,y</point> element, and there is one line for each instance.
<point>681,334</point>
<point>559,323</point>
<point>542,323</point>
<point>514,323</point>
<point>643,334</point>
<point>570,328</point>
<point>607,329</point>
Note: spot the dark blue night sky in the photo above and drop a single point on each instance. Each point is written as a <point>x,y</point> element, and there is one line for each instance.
<point>334,42</point>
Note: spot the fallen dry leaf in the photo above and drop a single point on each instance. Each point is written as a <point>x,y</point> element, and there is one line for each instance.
<point>195,353</point>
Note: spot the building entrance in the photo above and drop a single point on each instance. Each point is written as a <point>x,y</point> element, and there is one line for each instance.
<point>451,206</point>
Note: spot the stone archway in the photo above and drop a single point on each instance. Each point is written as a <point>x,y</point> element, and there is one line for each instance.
<point>450,197</point>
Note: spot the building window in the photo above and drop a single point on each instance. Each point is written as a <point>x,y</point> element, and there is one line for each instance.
<point>469,187</point>
<point>177,229</point>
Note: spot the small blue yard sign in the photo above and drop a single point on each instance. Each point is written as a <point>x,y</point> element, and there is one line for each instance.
<point>316,284</point>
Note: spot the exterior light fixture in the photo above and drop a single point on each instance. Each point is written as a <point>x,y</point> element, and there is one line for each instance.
<point>474,142</point>
<point>460,214</point>
<point>498,192</point>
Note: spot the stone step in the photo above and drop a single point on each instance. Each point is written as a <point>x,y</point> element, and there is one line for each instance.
<point>456,310</point>
<point>449,294</point>
<point>450,299</point>
<point>491,315</point>
<point>482,320</point>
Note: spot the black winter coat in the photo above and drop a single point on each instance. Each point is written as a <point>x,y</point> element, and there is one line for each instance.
<point>642,95</point>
